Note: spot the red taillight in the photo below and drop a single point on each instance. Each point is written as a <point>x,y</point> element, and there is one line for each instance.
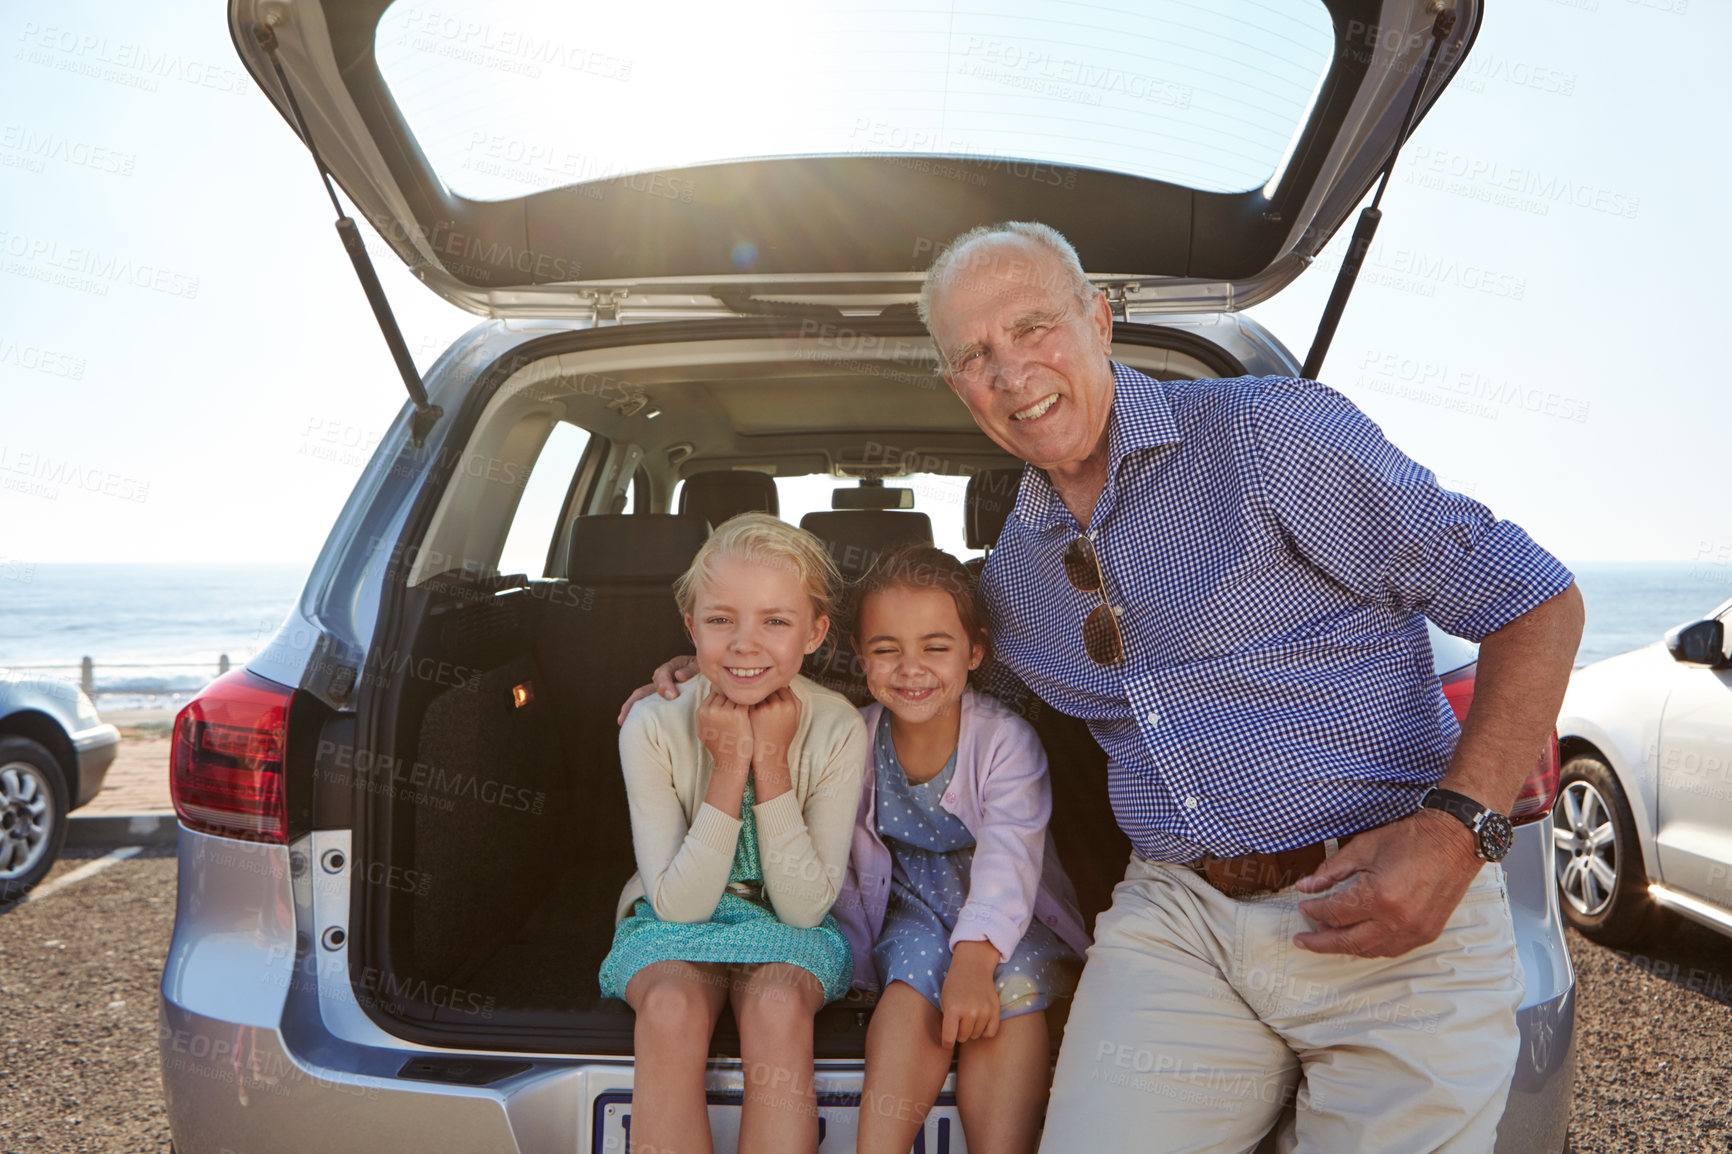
<point>1535,799</point>
<point>226,767</point>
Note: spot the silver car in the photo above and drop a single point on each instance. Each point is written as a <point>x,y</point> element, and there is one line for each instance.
<point>54,756</point>
<point>403,824</point>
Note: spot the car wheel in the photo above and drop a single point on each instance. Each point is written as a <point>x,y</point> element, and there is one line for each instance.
<point>33,814</point>
<point>1596,857</point>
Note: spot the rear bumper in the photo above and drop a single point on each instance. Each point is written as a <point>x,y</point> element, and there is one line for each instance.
<point>257,1058</point>
<point>95,748</point>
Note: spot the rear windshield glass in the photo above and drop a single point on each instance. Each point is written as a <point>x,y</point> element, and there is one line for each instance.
<point>509,97</point>
<point>938,495</point>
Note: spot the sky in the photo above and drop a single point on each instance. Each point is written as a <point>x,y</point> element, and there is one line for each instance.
<point>1536,322</point>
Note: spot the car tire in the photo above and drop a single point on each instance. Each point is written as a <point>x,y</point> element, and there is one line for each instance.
<point>34,807</point>
<point>1596,856</point>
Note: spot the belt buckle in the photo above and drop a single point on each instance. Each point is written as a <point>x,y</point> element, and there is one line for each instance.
<point>751,891</point>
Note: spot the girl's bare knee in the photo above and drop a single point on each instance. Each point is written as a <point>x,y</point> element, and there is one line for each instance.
<point>775,1005</point>
<point>675,1008</point>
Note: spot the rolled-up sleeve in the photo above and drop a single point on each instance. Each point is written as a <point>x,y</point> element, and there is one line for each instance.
<point>1377,522</point>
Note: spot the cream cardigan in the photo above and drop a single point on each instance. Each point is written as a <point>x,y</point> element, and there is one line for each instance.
<point>685,846</point>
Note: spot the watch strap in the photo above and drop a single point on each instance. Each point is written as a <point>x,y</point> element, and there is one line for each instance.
<point>1458,805</point>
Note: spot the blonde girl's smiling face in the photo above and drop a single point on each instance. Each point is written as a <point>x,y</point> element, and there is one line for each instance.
<point>753,624</point>
<point>916,652</point>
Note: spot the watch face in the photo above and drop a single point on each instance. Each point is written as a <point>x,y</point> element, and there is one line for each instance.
<point>1496,836</point>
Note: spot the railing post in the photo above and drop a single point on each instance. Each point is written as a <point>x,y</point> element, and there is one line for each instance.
<point>222,664</point>
<point>87,677</point>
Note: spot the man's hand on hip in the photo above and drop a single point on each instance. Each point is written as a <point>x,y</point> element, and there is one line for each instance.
<point>1402,882</point>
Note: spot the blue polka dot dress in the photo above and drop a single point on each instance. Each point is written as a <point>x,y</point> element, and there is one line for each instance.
<point>931,853</point>
<point>744,930</point>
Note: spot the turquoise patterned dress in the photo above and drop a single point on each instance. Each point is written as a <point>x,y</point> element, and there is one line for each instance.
<point>743,931</point>
<point>932,853</point>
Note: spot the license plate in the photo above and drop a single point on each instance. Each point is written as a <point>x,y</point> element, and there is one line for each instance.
<point>838,1123</point>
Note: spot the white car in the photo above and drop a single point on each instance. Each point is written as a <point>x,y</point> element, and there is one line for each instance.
<point>1643,817</point>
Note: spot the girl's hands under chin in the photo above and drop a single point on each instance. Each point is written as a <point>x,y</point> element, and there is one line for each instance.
<point>774,721</point>
<point>726,729</point>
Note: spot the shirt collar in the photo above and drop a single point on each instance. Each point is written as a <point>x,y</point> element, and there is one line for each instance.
<point>1140,419</point>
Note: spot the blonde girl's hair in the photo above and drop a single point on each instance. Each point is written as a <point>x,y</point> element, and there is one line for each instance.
<point>769,540</point>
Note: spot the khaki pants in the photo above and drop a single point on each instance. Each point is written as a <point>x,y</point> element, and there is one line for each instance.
<point>1197,1020</point>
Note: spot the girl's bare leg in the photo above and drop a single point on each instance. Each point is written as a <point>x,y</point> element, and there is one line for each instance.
<point>677,1004</point>
<point>906,1061</point>
<point>774,1004</point>
<point>1001,1086</point>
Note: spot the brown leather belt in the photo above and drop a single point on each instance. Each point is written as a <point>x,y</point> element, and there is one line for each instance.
<point>1262,873</point>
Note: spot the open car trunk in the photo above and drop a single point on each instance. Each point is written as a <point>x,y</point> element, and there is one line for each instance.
<point>514,828</point>
<point>497,807</point>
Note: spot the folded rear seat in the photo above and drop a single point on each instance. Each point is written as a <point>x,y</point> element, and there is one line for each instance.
<point>597,636</point>
<point>855,539</point>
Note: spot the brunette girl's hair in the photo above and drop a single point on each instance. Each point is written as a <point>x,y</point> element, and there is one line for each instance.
<point>919,566</point>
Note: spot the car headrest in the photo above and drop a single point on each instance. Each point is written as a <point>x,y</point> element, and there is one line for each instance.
<point>725,493</point>
<point>651,548</point>
<point>856,537</point>
<point>990,497</point>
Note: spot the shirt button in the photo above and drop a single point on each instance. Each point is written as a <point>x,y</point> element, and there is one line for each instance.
<point>1154,718</point>
<point>1190,803</point>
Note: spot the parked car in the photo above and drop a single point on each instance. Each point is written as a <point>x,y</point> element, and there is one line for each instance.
<point>1643,817</point>
<point>403,824</point>
<point>54,754</point>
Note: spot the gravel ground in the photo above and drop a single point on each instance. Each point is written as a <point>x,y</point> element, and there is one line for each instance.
<point>1654,1069</point>
<point>78,1063</point>
<point>78,981</point>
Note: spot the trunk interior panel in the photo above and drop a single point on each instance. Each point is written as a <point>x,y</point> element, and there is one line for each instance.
<point>510,834</point>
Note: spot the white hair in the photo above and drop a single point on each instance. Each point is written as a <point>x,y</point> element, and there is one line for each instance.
<point>1075,280</point>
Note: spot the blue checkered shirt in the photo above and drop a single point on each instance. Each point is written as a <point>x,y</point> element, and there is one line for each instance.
<point>1271,555</point>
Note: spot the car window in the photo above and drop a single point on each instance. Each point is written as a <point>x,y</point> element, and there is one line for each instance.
<point>537,520</point>
<point>937,495</point>
<point>1209,96</point>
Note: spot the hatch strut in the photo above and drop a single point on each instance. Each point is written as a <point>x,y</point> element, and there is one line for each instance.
<point>1367,226</point>
<point>425,414</point>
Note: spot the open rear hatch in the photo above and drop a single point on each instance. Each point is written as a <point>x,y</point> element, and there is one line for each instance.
<point>591,164</point>
<point>587,160</point>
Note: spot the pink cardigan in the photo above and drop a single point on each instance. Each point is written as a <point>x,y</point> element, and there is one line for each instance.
<point>1001,793</point>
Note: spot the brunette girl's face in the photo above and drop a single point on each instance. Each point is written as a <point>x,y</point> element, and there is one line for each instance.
<point>916,651</point>
<point>753,624</point>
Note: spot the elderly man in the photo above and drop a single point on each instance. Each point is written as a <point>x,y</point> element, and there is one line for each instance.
<point>1226,579</point>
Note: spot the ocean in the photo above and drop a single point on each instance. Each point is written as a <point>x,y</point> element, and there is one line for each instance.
<point>155,633</point>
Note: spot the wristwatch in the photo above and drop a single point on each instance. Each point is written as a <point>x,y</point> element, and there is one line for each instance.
<point>1493,834</point>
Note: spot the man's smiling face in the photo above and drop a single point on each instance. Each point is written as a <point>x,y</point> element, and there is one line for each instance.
<point>1027,358</point>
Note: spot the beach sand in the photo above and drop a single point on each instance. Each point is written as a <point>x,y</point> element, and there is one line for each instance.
<point>137,782</point>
